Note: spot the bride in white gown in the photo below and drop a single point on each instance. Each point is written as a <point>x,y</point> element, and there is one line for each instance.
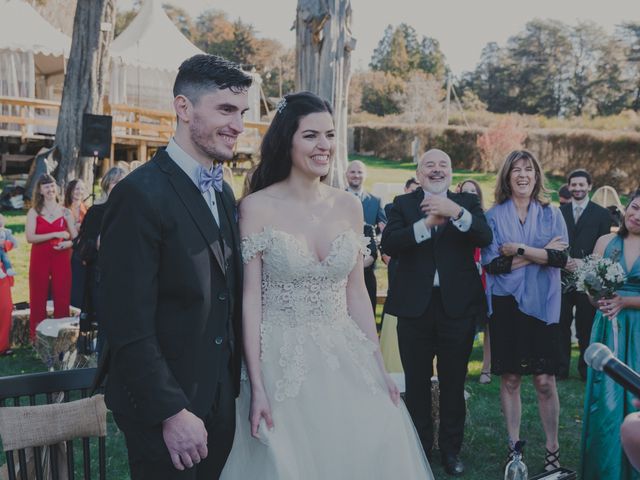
<point>315,402</point>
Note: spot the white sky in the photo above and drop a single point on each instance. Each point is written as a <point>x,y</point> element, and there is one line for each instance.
<point>463,27</point>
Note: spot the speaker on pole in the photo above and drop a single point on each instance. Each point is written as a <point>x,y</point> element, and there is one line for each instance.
<point>96,136</point>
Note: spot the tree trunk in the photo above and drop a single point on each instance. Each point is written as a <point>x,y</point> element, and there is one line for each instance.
<point>323,65</point>
<point>84,83</point>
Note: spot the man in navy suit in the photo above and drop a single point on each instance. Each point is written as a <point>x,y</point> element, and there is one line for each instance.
<point>374,217</point>
<point>586,222</point>
<point>372,205</point>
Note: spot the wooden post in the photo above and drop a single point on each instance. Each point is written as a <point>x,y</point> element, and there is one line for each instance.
<point>85,79</point>
<point>142,151</point>
<point>323,65</point>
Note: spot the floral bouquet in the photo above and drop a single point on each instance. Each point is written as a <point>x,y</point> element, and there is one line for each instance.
<point>600,278</point>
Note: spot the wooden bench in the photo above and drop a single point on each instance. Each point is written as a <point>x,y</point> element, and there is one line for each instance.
<point>15,160</point>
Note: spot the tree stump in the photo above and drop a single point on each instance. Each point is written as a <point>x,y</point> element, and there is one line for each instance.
<point>19,332</point>
<point>56,344</point>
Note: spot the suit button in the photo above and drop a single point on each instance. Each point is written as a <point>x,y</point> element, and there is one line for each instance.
<point>222,296</point>
<point>218,340</point>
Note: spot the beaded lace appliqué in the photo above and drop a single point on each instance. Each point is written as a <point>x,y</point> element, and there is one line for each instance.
<point>303,300</point>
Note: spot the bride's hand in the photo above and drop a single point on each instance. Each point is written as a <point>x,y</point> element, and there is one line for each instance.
<point>260,408</point>
<point>394,393</point>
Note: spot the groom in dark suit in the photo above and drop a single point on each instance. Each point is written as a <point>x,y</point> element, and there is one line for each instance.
<point>586,222</point>
<point>171,286</point>
<point>437,295</point>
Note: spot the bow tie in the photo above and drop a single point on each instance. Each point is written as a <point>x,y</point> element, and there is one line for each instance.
<point>209,178</point>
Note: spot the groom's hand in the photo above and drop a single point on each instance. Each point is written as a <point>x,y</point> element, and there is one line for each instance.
<point>186,439</point>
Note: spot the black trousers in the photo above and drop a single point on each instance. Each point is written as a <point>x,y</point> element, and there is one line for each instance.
<point>372,286</point>
<point>584,314</point>
<point>451,341</point>
<point>148,455</point>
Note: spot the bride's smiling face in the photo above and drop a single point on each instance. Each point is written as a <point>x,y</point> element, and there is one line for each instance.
<point>313,144</point>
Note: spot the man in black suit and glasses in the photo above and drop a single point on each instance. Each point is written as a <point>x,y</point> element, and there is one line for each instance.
<point>171,286</point>
<point>437,295</point>
<point>586,222</point>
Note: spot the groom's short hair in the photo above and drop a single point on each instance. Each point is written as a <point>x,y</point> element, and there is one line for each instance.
<point>205,73</point>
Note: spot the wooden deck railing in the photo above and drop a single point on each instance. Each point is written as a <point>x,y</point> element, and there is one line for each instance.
<point>131,125</point>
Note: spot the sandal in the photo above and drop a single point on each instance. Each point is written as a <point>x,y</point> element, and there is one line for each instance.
<point>551,460</point>
<point>485,378</point>
<point>511,450</point>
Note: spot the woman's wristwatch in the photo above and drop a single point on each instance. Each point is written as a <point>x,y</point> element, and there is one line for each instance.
<point>520,250</point>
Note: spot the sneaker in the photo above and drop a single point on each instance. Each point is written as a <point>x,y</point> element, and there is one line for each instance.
<point>11,272</point>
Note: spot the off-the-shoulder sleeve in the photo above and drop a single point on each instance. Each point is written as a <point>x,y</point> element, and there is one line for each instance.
<point>254,244</point>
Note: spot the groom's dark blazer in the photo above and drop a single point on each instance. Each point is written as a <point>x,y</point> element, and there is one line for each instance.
<point>170,284</point>
<point>450,251</point>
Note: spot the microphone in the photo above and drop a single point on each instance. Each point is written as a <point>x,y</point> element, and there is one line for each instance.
<point>600,358</point>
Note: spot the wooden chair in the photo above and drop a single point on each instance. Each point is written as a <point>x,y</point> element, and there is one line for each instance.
<point>59,389</point>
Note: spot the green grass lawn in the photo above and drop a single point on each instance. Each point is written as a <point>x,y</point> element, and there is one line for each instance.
<point>484,448</point>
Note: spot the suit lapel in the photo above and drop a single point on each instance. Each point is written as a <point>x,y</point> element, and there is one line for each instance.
<point>228,211</point>
<point>195,205</point>
<point>418,196</point>
<point>571,223</point>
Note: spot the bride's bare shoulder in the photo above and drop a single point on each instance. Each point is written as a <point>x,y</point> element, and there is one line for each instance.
<point>255,205</point>
<point>347,203</point>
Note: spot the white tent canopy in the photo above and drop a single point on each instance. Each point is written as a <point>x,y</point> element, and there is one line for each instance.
<point>145,61</point>
<point>32,52</point>
<point>152,41</point>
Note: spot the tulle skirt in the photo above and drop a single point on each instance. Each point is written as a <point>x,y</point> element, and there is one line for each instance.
<point>333,418</point>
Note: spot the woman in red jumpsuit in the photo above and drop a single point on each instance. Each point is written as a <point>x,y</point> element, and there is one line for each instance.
<point>51,229</point>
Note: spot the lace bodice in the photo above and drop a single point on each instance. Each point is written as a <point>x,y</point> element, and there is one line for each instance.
<point>296,286</point>
<point>303,297</point>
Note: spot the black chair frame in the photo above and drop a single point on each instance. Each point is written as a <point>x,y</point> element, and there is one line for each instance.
<point>13,391</point>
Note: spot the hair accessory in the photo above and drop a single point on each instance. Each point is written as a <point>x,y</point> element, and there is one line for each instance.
<point>281,105</point>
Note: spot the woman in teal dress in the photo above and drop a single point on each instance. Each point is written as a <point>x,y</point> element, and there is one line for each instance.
<point>607,403</point>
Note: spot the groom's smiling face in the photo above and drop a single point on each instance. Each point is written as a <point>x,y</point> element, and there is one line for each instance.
<point>215,121</point>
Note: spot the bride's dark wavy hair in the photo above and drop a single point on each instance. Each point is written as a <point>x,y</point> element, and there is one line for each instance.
<point>275,150</point>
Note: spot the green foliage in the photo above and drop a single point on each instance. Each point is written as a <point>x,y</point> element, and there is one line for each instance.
<point>378,89</point>
<point>243,43</point>
<point>612,158</point>
<point>555,70</point>
<point>400,52</point>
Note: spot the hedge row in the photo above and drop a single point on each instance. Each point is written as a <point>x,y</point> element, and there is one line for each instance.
<point>612,158</point>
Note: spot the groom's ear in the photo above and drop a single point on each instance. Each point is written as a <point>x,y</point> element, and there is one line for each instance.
<point>183,106</point>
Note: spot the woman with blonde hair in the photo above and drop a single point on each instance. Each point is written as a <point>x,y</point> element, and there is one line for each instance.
<point>50,229</point>
<point>523,290</point>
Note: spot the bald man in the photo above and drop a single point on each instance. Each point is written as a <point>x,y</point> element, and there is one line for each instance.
<point>374,219</point>
<point>437,295</point>
<point>373,212</point>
